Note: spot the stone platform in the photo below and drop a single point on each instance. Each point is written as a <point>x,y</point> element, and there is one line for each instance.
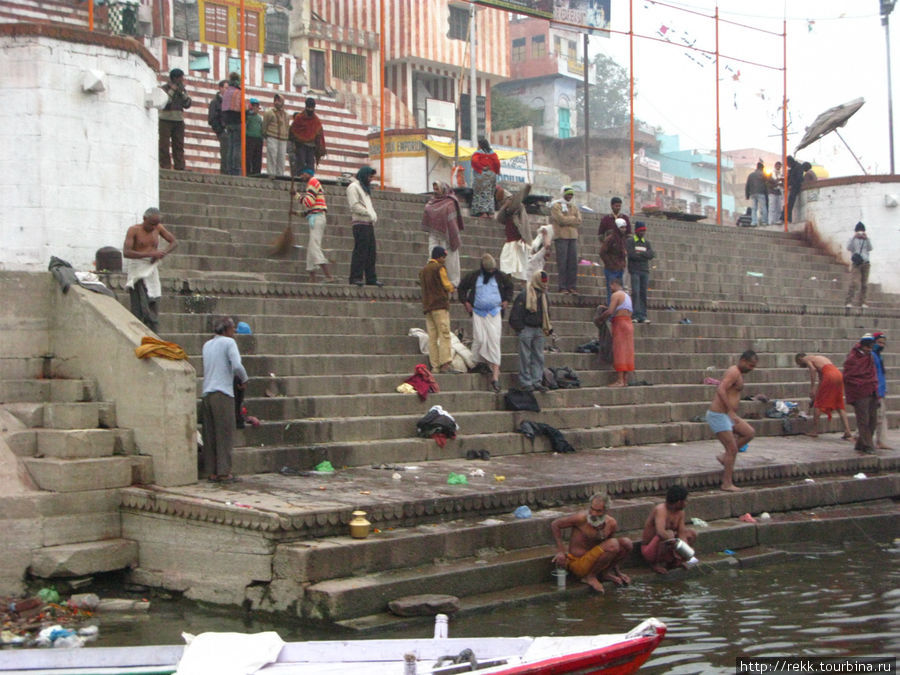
<point>280,542</point>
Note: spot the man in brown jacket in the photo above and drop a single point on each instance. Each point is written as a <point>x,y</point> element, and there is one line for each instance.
<point>613,255</point>
<point>275,132</point>
<point>565,217</point>
<point>436,290</point>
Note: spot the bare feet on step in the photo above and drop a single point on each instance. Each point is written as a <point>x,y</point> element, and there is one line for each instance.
<point>730,488</point>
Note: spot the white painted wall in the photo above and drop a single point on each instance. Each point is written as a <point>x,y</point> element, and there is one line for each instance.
<point>76,168</point>
<point>835,207</point>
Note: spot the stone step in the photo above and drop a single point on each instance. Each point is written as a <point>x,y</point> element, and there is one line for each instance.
<point>55,389</point>
<point>290,452</point>
<point>665,326</point>
<point>75,475</point>
<point>502,562</point>
<point>76,443</point>
<point>837,527</point>
<point>404,547</point>
<point>82,559</point>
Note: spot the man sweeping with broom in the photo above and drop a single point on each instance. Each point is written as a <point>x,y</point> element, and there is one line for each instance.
<point>312,203</point>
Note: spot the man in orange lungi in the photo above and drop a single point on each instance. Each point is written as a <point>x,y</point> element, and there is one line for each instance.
<point>620,309</point>
<point>828,396</point>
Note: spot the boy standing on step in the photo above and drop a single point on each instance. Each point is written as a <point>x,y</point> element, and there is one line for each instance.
<point>733,433</point>
<point>436,290</point>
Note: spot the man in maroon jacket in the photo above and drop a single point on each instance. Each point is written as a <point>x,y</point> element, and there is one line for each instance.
<point>861,390</point>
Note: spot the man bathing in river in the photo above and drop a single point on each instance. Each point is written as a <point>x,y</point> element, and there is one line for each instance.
<point>594,553</point>
<point>664,526</point>
<point>733,432</point>
<point>828,396</point>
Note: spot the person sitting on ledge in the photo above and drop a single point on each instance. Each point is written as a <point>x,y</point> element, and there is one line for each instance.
<point>594,553</point>
<point>664,527</point>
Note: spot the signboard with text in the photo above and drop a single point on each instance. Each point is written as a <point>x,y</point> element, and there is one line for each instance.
<point>591,14</point>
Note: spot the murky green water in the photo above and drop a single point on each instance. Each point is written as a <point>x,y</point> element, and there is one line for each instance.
<point>821,602</point>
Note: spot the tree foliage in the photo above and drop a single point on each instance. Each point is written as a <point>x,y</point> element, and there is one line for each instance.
<point>608,95</point>
<point>508,112</point>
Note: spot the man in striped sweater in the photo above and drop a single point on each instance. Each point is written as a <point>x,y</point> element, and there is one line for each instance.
<point>313,207</point>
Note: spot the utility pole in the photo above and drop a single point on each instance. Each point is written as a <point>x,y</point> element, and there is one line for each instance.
<point>587,120</point>
<point>887,7</point>
<point>473,85</point>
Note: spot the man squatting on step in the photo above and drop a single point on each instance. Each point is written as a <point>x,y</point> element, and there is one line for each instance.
<point>664,526</point>
<point>141,253</point>
<point>733,432</point>
<point>594,553</point>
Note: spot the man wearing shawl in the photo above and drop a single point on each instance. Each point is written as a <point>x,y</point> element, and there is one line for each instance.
<point>486,167</point>
<point>608,222</point>
<point>829,395</point>
<point>308,136</point>
<point>565,216</point>
<point>620,309</point>
<point>363,218</point>
<point>861,391</point>
<point>443,222</point>
<point>514,254</point>
<point>314,208</point>
<point>530,318</point>
<point>486,292</point>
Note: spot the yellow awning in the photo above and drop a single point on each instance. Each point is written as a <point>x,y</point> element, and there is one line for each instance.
<point>465,152</point>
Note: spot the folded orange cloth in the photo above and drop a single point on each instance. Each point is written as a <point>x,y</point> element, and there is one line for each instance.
<point>151,346</point>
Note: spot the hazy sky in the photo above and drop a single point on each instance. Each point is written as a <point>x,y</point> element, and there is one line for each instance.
<point>835,52</point>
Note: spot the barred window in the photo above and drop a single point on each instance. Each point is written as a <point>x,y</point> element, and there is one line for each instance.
<point>346,66</point>
<point>518,49</point>
<point>459,23</point>
<point>538,46</point>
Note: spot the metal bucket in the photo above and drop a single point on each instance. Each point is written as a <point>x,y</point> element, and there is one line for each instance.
<point>683,550</point>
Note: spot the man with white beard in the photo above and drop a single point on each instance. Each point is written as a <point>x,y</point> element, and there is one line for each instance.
<point>594,553</point>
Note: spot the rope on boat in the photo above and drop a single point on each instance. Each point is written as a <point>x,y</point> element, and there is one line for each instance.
<point>466,655</point>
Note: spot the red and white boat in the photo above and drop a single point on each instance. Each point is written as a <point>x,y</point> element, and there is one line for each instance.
<point>222,653</point>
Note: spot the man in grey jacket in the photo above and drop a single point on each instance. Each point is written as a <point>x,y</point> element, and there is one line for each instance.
<point>860,246</point>
<point>755,191</point>
<point>363,217</point>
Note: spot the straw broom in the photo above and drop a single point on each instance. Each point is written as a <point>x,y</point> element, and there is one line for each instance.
<point>285,241</point>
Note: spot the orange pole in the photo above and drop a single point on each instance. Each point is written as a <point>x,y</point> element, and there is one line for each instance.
<point>718,132</point>
<point>631,94</point>
<point>784,188</point>
<point>243,44</point>
<point>381,83</point>
<point>90,14</point>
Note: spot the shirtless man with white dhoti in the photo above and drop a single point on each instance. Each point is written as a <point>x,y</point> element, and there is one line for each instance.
<point>141,253</point>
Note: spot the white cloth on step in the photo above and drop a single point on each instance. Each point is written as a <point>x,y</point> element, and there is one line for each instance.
<point>228,653</point>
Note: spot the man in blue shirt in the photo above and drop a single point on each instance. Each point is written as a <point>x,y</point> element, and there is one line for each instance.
<point>221,365</point>
<point>881,429</point>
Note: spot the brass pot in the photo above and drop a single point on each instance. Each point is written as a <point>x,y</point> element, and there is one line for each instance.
<point>359,526</point>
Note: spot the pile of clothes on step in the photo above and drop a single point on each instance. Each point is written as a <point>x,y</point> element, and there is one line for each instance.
<point>438,424</point>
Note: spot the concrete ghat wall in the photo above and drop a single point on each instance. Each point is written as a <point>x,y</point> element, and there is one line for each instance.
<point>92,335</point>
<point>835,205</point>
<point>78,168</point>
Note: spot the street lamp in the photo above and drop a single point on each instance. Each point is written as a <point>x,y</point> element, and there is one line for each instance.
<point>887,7</point>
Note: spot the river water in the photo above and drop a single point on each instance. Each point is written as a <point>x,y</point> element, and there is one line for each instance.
<point>820,602</point>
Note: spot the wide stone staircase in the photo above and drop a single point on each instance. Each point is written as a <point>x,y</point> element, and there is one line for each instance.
<point>64,457</point>
<point>325,359</point>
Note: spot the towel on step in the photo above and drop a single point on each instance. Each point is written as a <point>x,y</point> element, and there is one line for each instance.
<point>151,346</point>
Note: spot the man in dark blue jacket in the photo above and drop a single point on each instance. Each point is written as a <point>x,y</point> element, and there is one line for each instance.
<point>640,253</point>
